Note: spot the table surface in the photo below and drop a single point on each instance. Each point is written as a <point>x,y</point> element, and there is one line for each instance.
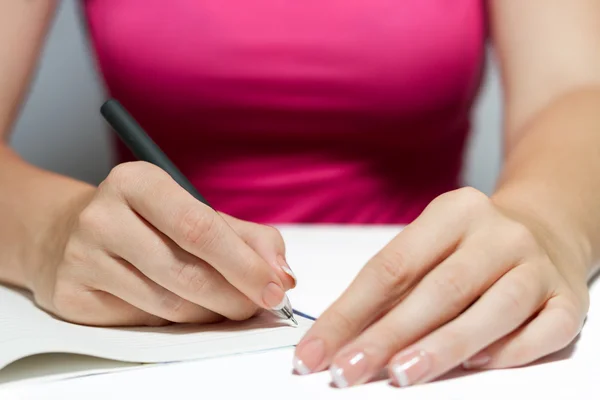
<point>313,252</point>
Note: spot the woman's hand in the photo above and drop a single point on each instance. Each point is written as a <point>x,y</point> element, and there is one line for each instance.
<point>140,250</point>
<point>466,283</point>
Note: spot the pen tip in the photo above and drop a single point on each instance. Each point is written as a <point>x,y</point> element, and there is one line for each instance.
<point>294,321</point>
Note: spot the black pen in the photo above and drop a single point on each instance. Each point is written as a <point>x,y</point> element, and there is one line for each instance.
<point>142,146</point>
<point>145,149</point>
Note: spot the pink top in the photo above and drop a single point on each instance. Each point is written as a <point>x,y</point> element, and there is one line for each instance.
<point>281,111</point>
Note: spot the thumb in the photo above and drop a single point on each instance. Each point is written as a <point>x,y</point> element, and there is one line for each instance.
<point>268,244</point>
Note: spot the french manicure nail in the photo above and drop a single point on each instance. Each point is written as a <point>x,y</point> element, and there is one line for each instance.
<point>477,361</point>
<point>409,367</point>
<point>273,296</point>
<point>285,267</point>
<point>349,369</point>
<point>309,356</point>
<point>300,367</point>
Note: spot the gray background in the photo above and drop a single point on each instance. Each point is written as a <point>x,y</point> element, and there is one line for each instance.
<point>60,129</point>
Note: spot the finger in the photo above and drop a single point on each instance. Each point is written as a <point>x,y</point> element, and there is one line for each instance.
<point>441,296</point>
<point>268,243</point>
<point>553,329</point>
<point>179,272</point>
<point>123,280</point>
<point>501,310</point>
<point>389,274</point>
<point>87,306</point>
<point>197,229</point>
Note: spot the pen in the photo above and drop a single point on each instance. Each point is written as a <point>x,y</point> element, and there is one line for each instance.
<point>145,149</point>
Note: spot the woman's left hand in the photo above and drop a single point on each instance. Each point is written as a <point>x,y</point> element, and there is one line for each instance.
<point>467,283</point>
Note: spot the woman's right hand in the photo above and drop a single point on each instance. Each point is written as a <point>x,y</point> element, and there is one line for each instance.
<point>140,250</point>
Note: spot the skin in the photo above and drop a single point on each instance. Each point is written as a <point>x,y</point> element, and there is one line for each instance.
<point>495,281</point>
<point>499,281</point>
<point>137,249</point>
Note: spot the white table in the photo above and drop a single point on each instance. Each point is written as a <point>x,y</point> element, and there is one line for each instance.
<point>570,374</point>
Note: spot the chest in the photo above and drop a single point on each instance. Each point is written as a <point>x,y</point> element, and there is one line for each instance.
<point>392,57</point>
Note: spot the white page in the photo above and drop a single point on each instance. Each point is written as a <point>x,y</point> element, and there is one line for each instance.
<point>326,259</point>
<point>26,330</point>
<point>268,375</point>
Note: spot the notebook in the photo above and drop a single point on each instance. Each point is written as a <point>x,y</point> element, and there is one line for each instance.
<point>26,330</point>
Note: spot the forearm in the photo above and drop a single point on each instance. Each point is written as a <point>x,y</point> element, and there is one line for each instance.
<point>33,207</point>
<point>30,198</point>
<point>552,176</point>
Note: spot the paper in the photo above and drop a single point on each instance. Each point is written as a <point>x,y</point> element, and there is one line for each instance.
<point>26,330</point>
<point>50,367</point>
<point>268,376</point>
<point>326,259</point>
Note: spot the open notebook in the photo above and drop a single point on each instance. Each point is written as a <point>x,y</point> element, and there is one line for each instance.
<point>26,330</point>
<point>325,259</point>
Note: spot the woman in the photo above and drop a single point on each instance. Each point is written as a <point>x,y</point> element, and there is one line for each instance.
<point>329,111</point>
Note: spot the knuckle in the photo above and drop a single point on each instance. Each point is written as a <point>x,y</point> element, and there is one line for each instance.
<point>390,268</point>
<point>466,200</point>
<point>129,174</point>
<point>75,254</point>
<point>93,217</point>
<point>94,224</point>
<point>249,271</point>
<point>465,195</point>
<point>80,266</point>
<point>274,236</point>
<point>522,238</point>
<point>515,295</point>
<point>453,287</point>
<point>471,200</point>
<point>121,174</point>
<point>340,322</point>
<point>199,228</point>
<point>471,196</point>
<point>172,307</point>
<point>191,277</point>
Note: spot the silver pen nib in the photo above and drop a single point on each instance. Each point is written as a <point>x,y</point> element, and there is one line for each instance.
<point>285,310</point>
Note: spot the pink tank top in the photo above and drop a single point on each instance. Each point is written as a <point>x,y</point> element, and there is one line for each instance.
<point>294,111</point>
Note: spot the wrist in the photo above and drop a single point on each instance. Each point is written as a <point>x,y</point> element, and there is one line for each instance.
<point>50,239</point>
<point>565,242</point>
<point>34,205</point>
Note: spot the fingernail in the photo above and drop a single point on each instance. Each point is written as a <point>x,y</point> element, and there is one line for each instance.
<point>410,366</point>
<point>284,303</point>
<point>285,267</point>
<point>309,356</point>
<point>274,297</point>
<point>477,361</point>
<point>349,369</point>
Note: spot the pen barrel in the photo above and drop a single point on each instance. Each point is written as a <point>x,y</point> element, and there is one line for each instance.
<point>142,146</point>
